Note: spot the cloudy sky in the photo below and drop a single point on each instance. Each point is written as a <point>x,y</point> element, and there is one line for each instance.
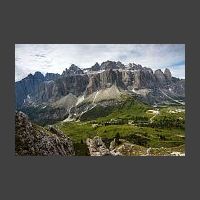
<point>30,58</point>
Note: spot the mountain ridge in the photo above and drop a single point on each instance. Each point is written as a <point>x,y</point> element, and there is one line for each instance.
<point>84,85</point>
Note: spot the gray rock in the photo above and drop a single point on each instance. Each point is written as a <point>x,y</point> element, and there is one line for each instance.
<point>168,74</point>
<point>133,66</point>
<point>112,145</point>
<point>51,76</point>
<point>54,90</point>
<point>97,147</point>
<point>33,140</point>
<point>73,70</point>
<point>111,65</point>
<point>161,80</point>
<point>95,67</point>
<point>27,86</point>
<point>144,79</point>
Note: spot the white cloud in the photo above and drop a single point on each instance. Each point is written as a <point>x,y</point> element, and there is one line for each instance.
<point>56,57</point>
<point>178,71</point>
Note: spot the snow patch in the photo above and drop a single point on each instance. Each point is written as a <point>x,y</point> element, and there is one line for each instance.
<point>69,119</point>
<point>142,92</point>
<point>95,96</point>
<point>80,99</point>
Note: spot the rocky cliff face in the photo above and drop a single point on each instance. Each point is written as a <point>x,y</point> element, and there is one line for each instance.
<point>32,140</point>
<point>54,90</point>
<point>144,78</point>
<point>27,87</point>
<point>104,80</point>
<point>160,77</point>
<point>168,75</point>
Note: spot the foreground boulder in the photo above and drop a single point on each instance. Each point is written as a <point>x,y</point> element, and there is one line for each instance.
<point>97,147</point>
<point>33,140</point>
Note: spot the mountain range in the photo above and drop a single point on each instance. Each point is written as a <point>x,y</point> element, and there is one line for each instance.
<point>67,96</point>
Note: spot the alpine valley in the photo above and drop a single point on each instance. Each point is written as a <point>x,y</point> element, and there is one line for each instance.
<point>107,109</point>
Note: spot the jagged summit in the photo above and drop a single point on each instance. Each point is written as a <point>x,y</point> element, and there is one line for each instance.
<point>73,70</point>
<point>51,76</point>
<point>95,67</point>
<point>107,65</point>
<point>38,75</point>
<point>111,65</point>
<point>133,66</point>
<point>73,67</point>
<point>168,74</point>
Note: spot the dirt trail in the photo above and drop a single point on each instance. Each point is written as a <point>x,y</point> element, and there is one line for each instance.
<point>155,112</point>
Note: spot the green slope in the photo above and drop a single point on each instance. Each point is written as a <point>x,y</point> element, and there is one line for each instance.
<point>166,130</point>
<point>128,109</point>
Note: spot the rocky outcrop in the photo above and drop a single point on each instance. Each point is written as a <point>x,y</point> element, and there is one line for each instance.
<point>33,140</point>
<point>168,74</point>
<point>160,77</point>
<point>123,147</point>
<point>97,147</point>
